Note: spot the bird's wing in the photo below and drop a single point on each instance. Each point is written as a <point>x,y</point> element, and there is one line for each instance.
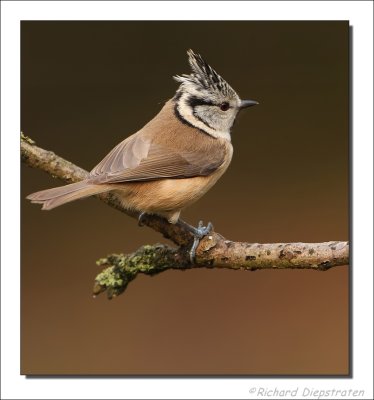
<point>140,159</point>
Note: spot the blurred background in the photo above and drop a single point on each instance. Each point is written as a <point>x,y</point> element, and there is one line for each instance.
<point>88,85</point>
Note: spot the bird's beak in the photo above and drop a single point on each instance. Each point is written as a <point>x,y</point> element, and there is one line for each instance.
<point>247,103</point>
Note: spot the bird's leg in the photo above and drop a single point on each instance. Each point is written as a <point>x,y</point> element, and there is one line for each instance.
<point>198,233</point>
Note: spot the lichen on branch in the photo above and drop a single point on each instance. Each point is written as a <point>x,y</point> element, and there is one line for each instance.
<point>121,269</point>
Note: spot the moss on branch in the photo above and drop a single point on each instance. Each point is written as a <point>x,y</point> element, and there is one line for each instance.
<point>121,269</point>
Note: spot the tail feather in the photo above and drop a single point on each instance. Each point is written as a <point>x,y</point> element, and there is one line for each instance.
<point>55,197</point>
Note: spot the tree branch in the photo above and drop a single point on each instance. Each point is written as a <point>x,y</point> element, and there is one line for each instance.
<point>213,251</point>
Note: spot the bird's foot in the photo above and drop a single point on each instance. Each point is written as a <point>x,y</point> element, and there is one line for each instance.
<point>198,234</point>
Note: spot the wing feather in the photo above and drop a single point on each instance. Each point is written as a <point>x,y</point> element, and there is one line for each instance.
<point>140,159</point>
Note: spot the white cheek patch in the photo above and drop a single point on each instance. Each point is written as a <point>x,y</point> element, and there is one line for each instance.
<point>186,113</point>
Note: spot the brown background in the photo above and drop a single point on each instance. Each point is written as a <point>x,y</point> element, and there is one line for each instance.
<point>86,86</point>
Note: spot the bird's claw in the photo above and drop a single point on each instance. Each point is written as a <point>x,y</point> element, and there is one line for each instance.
<point>198,234</point>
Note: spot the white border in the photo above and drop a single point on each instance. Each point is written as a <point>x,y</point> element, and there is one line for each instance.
<point>359,14</point>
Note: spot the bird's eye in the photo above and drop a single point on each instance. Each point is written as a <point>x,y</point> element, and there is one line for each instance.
<point>224,106</point>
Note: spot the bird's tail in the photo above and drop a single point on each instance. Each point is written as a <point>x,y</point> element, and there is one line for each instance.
<point>55,197</point>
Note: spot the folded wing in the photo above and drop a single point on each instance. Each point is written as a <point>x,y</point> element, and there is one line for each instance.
<point>141,159</point>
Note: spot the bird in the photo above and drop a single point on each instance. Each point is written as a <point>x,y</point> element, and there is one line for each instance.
<point>174,159</point>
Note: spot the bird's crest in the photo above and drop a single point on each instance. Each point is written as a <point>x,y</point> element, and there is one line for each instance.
<point>204,76</point>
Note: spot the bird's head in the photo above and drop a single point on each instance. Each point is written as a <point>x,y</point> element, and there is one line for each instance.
<point>205,100</point>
